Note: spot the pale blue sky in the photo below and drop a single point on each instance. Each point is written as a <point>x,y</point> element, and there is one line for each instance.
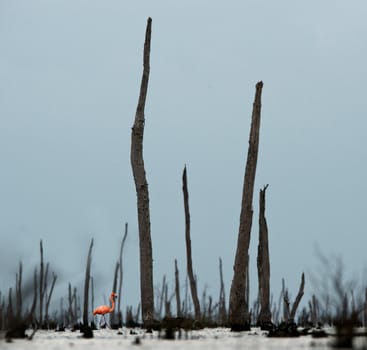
<point>69,82</point>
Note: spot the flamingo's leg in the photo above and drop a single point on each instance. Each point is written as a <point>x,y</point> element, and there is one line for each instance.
<point>107,324</point>
<point>100,321</point>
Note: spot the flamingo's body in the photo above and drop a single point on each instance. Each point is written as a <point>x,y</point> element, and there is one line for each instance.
<point>105,309</point>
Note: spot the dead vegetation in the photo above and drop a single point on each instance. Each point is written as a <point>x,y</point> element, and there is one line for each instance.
<point>27,305</point>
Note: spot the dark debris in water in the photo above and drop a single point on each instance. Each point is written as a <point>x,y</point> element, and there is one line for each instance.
<point>284,330</point>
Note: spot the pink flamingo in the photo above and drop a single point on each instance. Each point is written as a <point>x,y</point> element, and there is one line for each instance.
<point>105,309</point>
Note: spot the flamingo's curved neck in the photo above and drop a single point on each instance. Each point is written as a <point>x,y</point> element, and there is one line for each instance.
<point>112,300</point>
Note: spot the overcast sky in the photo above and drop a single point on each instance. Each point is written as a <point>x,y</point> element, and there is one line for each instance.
<point>70,73</point>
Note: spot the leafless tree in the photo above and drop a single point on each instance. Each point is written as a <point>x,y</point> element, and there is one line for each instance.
<point>121,276</point>
<point>137,164</point>
<point>48,297</point>
<point>41,286</point>
<point>263,265</point>
<point>290,313</point>
<point>32,312</point>
<point>18,290</point>
<point>114,287</point>
<point>160,297</point>
<point>2,306</point>
<point>73,306</point>
<point>190,271</point>
<point>186,303</point>
<point>177,290</point>
<point>222,296</point>
<point>238,305</point>
<point>86,285</point>
<point>365,308</point>
<point>92,293</point>
<point>314,310</point>
<point>299,296</point>
<point>10,309</point>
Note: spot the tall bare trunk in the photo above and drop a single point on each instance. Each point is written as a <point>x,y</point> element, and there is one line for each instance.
<point>161,298</point>
<point>313,305</point>
<point>263,265</point>
<point>92,293</point>
<point>177,290</point>
<point>71,315</point>
<point>288,313</point>
<point>141,185</point>
<point>113,321</point>
<point>238,305</point>
<point>121,276</point>
<point>190,271</point>
<point>19,291</point>
<point>86,284</point>
<point>222,296</point>
<point>41,286</point>
<point>299,296</point>
<point>48,298</point>
<point>10,309</point>
<point>32,312</point>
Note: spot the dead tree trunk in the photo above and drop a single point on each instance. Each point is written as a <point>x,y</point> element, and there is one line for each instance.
<point>32,312</point>
<point>18,290</point>
<point>314,310</point>
<point>286,307</point>
<point>365,308</point>
<point>10,310</point>
<point>289,314</point>
<point>41,286</point>
<point>92,294</point>
<point>161,298</point>
<point>263,266</point>
<point>222,296</point>
<point>2,306</point>
<point>113,322</point>
<point>190,271</point>
<point>70,308</point>
<point>177,290</point>
<point>141,185</point>
<point>48,298</point>
<point>238,306</point>
<point>299,296</point>
<point>119,312</point>
<point>86,285</point>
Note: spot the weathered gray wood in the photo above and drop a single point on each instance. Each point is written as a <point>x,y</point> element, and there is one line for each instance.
<point>18,291</point>
<point>222,296</point>
<point>263,264</point>
<point>141,185</point>
<point>314,310</point>
<point>161,298</point>
<point>113,321</point>
<point>48,299</point>
<point>190,272</point>
<point>86,285</point>
<point>10,309</point>
<point>286,307</point>
<point>41,285</point>
<point>288,312</point>
<point>238,305</point>
<point>92,293</point>
<point>121,276</point>
<point>177,290</point>
<point>299,296</point>
<point>32,313</point>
